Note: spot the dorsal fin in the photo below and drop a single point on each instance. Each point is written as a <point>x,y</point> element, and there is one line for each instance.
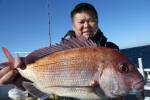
<point>67,44</point>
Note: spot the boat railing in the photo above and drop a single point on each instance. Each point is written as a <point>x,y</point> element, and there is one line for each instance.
<point>146,74</point>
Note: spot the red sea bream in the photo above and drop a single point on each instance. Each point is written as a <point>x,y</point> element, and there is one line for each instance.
<point>81,69</point>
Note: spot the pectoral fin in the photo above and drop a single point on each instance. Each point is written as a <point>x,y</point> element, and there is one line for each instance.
<point>33,91</point>
<point>97,89</point>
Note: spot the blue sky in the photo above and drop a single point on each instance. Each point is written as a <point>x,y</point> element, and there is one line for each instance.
<point>24,23</point>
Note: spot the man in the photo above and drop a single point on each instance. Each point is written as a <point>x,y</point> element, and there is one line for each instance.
<point>85,24</point>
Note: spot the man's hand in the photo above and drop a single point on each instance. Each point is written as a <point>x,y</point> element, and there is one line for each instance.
<point>7,75</point>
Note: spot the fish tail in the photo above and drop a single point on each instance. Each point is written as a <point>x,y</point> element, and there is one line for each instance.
<point>9,56</point>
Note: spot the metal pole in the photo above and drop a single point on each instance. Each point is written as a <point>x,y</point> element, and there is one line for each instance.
<point>141,66</point>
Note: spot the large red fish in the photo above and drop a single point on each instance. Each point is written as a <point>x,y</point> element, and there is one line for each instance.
<point>80,69</point>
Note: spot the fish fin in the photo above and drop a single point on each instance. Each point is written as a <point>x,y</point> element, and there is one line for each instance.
<point>12,62</point>
<point>94,83</point>
<point>8,55</point>
<point>97,89</point>
<point>33,91</point>
<point>66,44</point>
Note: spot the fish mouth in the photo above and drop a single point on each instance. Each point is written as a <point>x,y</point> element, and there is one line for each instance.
<point>137,87</point>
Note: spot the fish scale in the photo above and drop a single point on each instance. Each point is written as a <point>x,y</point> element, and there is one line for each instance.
<point>74,74</point>
<point>61,71</point>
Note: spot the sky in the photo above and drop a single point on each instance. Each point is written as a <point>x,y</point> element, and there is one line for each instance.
<point>24,23</point>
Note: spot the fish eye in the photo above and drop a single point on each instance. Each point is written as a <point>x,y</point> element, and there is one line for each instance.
<point>124,68</point>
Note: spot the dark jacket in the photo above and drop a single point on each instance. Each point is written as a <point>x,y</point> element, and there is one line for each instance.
<point>98,38</point>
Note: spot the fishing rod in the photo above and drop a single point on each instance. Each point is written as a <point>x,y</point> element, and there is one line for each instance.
<point>49,33</point>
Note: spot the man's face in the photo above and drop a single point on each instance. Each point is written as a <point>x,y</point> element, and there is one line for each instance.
<point>85,24</point>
